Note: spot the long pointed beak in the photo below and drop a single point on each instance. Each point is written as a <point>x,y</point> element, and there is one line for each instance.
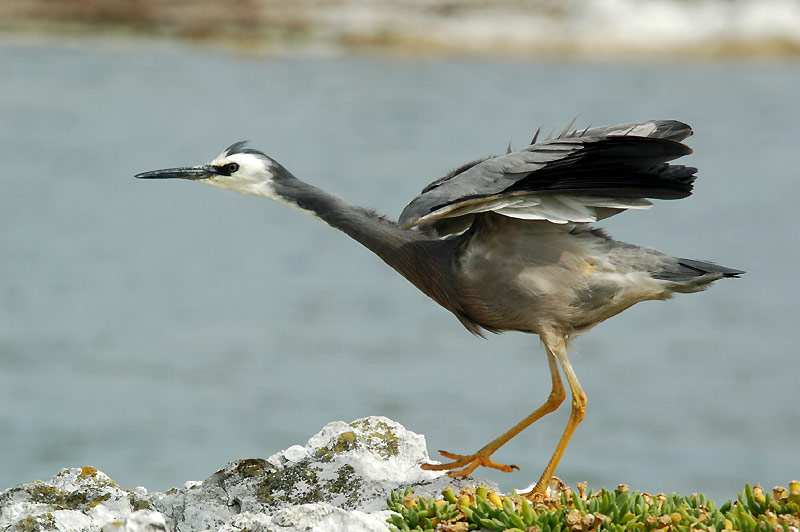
<point>193,172</point>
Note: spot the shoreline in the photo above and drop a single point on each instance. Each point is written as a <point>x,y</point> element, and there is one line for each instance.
<point>604,30</point>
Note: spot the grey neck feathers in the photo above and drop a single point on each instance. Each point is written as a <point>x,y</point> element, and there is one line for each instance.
<point>380,235</point>
<point>422,258</point>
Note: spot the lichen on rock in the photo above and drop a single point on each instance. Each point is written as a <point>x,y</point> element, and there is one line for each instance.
<point>339,480</point>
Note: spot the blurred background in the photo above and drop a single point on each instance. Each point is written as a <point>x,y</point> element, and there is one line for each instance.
<point>157,330</point>
<point>524,28</point>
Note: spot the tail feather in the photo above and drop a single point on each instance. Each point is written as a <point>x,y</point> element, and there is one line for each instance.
<point>689,269</point>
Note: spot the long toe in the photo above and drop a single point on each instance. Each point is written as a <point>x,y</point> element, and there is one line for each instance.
<point>469,463</point>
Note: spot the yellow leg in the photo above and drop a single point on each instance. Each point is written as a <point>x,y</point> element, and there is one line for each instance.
<point>575,417</point>
<point>482,457</point>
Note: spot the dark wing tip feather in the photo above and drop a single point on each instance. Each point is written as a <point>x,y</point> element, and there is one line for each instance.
<point>625,166</point>
<point>672,130</point>
<point>625,161</point>
<point>664,129</point>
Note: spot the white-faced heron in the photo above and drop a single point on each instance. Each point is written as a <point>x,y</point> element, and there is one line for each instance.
<point>504,243</point>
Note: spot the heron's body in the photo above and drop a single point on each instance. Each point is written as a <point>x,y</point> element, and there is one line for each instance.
<point>505,244</point>
<point>574,278</point>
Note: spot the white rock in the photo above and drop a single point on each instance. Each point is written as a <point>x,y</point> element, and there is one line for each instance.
<point>322,517</point>
<point>338,481</point>
<point>75,499</point>
<point>295,453</point>
<point>139,521</point>
<point>71,520</point>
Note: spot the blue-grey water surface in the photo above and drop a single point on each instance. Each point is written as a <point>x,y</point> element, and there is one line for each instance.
<point>156,330</point>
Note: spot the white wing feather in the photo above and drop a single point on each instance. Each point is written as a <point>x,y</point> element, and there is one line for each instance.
<point>555,208</point>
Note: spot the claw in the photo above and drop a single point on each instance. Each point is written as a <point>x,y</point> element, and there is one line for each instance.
<point>470,462</point>
<point>552,490</point>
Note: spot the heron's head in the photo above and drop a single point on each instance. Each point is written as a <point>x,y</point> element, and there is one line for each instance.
<point>237,168</point>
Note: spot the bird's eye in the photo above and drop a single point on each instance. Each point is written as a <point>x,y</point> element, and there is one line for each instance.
<point>231,168</point>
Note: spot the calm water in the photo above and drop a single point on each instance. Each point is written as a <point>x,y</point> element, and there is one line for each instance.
<point>157,330</point>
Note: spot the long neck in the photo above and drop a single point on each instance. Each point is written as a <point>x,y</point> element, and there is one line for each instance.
<point>422,259</point>
<point>380,235</point>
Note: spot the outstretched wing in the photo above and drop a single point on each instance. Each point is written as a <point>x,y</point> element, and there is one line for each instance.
<point>579,176</point>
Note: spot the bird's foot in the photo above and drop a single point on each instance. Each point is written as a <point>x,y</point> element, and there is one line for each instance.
<point>552,490</point>
<point>470,462</point>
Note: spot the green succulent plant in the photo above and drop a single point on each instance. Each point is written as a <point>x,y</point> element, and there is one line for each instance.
<point>620,510</point>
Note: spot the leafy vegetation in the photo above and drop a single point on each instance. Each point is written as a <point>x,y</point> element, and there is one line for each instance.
<point>755,510</point>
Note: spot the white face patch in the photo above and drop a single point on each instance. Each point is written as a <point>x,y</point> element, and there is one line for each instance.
<point>253,177</point>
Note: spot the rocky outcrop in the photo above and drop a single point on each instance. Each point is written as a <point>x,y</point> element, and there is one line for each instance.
<point>338,481</point>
